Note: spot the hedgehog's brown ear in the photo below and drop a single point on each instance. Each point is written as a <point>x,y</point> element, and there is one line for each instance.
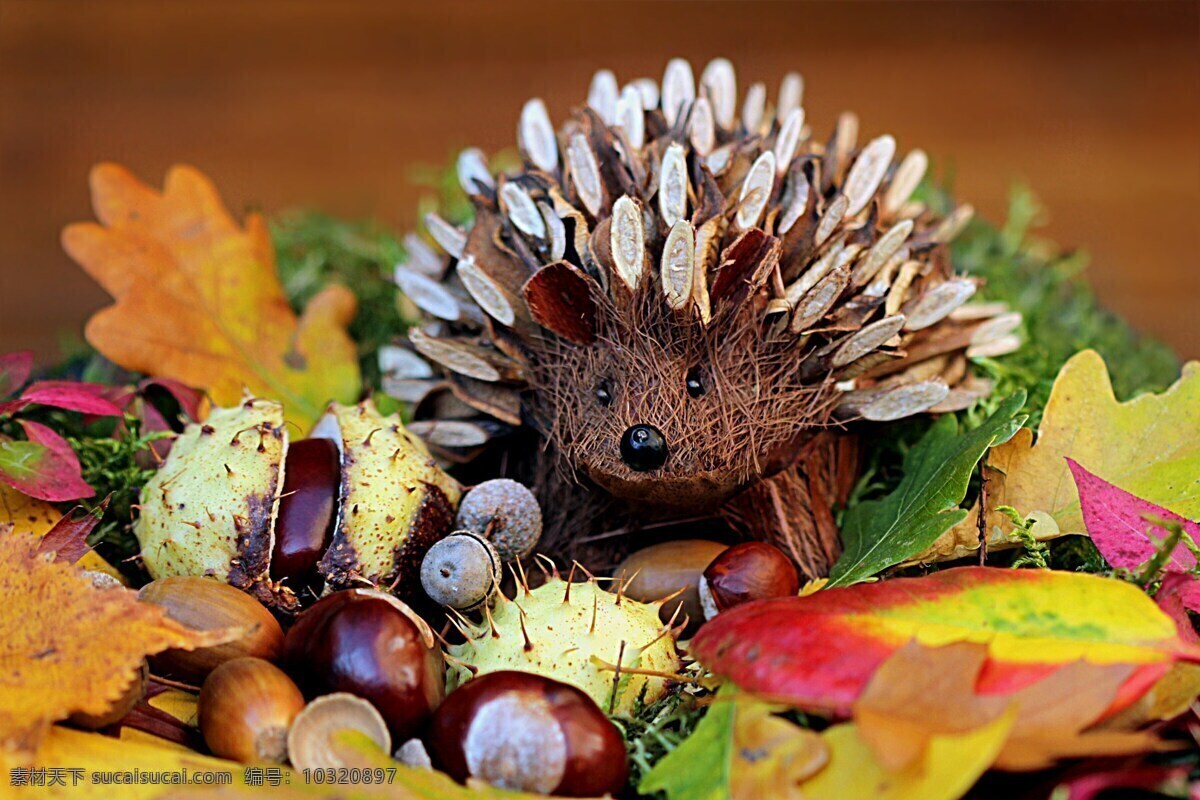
<point>561,298</point>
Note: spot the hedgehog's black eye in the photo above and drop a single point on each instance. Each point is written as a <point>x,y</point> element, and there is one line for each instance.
<point>695,382</point>
<point>604,393</point>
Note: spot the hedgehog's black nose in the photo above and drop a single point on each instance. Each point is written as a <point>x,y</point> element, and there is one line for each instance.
<point>643,448</point>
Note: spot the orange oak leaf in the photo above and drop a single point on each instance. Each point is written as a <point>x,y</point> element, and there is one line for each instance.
<point>66,645</point>
<point>198,297</point>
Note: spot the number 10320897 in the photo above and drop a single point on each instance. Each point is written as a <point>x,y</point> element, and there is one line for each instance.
<point>349,775</point>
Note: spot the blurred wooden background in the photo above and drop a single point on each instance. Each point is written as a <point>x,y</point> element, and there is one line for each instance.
<point>335,104</point>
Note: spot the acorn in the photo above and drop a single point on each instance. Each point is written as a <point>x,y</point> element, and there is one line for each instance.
<point>312,742</point>
<point>207,604</point>
<point>505,513</point>
<point>661,570</point>
<point>745,572</point>
<point>119,707</point>
<point>374,646</point>
<point>526,732</point>
<point>461,571</point>
<point>246,708</point>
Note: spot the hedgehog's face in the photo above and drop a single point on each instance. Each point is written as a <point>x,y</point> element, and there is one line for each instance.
<point>683,423</point>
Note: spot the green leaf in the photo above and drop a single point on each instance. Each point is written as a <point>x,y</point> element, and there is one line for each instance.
<point>878,534</point>
<point>699,768</point>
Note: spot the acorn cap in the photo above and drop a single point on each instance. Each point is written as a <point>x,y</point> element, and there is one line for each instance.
<point>313,740</point>
<point>505,513</point>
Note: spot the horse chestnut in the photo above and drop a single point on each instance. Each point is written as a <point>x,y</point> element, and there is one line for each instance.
<point>521,731</point>
<point>745,572</point>
<point>371,645</point>
<point>307,511</point>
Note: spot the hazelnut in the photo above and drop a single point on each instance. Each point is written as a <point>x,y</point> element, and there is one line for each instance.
<point>372,645</point>
<point>207,604</point>
<point>245,709</point>
<point>745,572</point>
<point>312,742</point>
<point>660,570</point>
<point>505,513</point>
<point>461,571</point>
<point>526,732</point>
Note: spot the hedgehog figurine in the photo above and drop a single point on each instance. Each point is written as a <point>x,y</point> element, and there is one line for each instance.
<point>684,311</point>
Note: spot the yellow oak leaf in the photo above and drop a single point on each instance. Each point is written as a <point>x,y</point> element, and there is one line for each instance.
<point>1149,446</point>
<point>198,297</point>
<point>66,645</point>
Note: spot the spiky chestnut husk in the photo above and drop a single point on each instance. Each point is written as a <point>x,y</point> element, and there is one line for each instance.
<point>395,501</point>
<point>576,633</point>
<point>212,508</point>
<point>727,285</point>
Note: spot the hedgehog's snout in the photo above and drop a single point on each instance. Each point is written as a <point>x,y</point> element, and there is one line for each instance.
<point>644,448</point>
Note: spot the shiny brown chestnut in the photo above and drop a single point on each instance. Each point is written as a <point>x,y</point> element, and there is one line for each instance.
<point>518,730</point>
<point>208,604</point>
<point>745,572</point>
<point>307,511</point>
<point>245,710</point>
<point>369,644</point>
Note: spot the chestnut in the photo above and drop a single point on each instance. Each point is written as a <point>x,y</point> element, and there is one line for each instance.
<point>745,572</point>
<point>526,732</point>
<point>246,708</point>
<point>206,604</point>
<point>369,644</point>
<point>307,511</point>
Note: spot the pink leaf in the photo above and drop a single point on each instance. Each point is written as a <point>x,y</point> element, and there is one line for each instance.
<point>1114,520</point>
<point>1178,592</point>
<point>1089,785</point>
<point>14,371</point>
<point>44,467</point>
<point>189,399</point>
<point>88,398</point>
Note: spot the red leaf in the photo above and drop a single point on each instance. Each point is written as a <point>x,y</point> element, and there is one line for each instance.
<point>1115,520</point>
<point>1177,593</point>
<point>45,467</point>
<point>68,538</point>
<point>88,398</point>
<point>189,399</point>
<point>14,371</point>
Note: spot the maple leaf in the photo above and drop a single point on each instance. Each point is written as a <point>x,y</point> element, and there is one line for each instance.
<point>52,660</point>
<point>198,297</point>
<point>1149,445</point>
<point>1034,623</point>
<point>739,751</point>
<point>921,692</point>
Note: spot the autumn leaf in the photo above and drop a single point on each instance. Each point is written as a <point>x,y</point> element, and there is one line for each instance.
<point>1149,446</point>
<point>29,515</point>
<point>198,298</point>
<point>67,539</point>
<point>42,466</point>
<point>921,692</point>
<point>1117,522</point>
<point>1034,623</point>
<point>951,765</point>
<point>14,371</point>
<point>878,534</point>
<point>52,659</point>
<point>739,751</point>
